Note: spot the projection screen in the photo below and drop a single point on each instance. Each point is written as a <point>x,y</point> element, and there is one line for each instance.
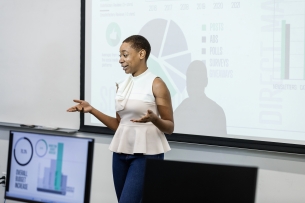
<point>235,69</point>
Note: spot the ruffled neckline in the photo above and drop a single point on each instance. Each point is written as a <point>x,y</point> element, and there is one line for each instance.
<point>124,90</point>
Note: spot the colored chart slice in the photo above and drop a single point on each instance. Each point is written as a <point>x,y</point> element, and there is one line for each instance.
<point>169,48</point>
<point>181,63</point>
<point>180,82</point>
<point>175,41</point>
<point>156,69</point>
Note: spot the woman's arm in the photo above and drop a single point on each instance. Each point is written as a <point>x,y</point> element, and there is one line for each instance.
<point>165,122</point>
<point>85,107</point>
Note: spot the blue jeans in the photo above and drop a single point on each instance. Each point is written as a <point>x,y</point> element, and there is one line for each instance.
<point>128,175</point>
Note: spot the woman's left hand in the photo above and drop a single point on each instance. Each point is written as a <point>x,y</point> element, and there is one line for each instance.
<point>149,117</point>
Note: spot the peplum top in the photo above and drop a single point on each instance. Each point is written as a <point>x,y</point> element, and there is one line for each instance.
<point>134,97</point>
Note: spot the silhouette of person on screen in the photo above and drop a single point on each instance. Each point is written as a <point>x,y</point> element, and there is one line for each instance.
<point>198,114</point>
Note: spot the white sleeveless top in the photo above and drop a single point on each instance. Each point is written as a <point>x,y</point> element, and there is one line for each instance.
<point>134,97</point>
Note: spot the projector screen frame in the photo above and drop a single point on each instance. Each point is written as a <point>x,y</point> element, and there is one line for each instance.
<point>178,137</point>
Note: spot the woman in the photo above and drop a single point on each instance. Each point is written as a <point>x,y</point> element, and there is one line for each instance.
<point>143,114</point>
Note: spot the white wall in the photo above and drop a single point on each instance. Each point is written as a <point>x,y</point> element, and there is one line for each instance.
<point>281,177</point>
<point>40,61</point>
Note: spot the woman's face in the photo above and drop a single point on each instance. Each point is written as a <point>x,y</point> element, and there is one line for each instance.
<point>129,59</point>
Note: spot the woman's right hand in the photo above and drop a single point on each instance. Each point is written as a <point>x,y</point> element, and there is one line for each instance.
<point>82,106</point>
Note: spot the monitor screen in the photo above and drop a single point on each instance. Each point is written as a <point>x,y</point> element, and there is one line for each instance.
<point>49,168</point>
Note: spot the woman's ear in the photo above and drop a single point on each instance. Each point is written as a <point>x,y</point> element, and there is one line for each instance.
<point>142,54</point>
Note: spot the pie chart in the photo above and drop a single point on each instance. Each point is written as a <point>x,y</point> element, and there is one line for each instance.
<point>23,151</point>
<point>41,148</point>
<point>170,57</point>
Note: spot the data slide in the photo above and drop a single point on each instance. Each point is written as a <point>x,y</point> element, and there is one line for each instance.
<point>234,69</point>
<point>47,168</point>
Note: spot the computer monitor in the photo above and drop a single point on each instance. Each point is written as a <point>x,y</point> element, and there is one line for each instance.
<point>49,168</point>
<point>177,181</point>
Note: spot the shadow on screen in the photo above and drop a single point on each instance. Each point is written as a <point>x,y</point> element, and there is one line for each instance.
<point>176,181</point>
<point>198,114</point>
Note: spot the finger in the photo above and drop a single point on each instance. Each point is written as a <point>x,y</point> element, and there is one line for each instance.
<point>72,109</point>
<point>77,100</point>
<point>141,120</point>
<point>137,121</point>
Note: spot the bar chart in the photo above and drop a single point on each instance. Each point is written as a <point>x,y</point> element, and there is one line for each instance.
<point>289,40</point>
<point>53,180</point>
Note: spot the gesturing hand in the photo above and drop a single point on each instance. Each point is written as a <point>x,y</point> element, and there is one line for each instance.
<point>149,117</point>
<point>82,106</point>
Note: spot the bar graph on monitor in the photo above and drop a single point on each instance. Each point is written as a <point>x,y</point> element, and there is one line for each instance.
<point>53,180</point>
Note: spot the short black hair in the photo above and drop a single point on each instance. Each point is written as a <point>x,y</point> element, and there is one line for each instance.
<point>139,42</point>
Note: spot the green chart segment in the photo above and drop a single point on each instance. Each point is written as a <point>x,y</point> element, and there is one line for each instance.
<point>60,150</point>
